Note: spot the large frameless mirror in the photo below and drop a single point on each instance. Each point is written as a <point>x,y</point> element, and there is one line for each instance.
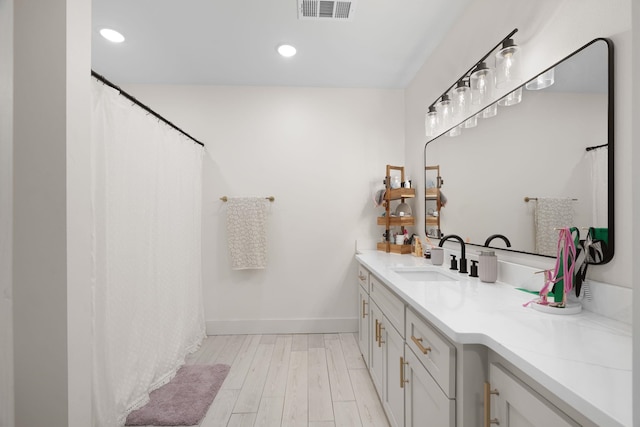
<point>543,162</point>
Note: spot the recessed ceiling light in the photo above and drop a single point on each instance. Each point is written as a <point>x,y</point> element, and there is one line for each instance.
<point>112,35</point>
<point>286,50</point>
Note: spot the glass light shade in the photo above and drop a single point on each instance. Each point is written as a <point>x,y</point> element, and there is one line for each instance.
<point>455,131</point>
<point>445,112</point>
<point>472,121</point>
<point>482,84</point>
<point>544,80</point>
<point>431,122</point>
<point>490,111</point>
<point>461,100</point>
<point>508,64</point>
<point>512,98</point>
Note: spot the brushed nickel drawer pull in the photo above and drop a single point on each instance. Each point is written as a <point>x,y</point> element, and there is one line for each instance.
<point>418,342</point>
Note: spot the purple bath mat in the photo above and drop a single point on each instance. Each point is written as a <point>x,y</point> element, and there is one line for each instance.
<point>184,400</point>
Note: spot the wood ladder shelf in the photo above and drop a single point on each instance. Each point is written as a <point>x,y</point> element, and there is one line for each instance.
<point>387,220</point>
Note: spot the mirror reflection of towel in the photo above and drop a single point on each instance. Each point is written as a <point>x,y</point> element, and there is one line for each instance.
<point>247,232</point>
<point>550,215</point>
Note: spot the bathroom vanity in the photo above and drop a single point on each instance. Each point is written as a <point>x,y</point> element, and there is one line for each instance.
<point>445,349</point>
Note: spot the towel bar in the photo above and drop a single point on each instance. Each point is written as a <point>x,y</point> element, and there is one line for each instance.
<point>528,199</point>
<point>270,198</point>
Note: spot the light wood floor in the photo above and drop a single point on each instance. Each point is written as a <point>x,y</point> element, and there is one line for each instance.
<point>316,380</point>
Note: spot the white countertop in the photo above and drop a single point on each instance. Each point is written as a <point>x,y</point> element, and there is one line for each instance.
<point>585,359</point>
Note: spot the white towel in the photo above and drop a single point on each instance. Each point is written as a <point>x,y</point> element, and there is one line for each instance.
<point>550,215</point>
<point>247,232</point>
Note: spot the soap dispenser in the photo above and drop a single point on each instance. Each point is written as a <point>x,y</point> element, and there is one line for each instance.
<point>488,268</point>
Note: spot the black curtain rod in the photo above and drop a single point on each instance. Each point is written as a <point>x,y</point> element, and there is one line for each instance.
<point>595,147</point>
<point>141,105</point>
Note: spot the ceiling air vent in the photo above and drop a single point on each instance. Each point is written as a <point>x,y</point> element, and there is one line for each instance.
<point>321,10</point>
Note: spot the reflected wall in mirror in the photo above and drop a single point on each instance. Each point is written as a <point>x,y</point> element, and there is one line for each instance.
<point>539,150</point>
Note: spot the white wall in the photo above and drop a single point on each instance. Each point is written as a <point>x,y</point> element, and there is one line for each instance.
<point>321,153</point>
<point>548,31</point>
<point>51,237</point>
<point>6,206</point>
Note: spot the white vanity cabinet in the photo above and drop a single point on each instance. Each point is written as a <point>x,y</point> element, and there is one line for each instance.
<point>509,402</point>
<point>415,390</point>
<point>424,402</point>
<point>435,360</point>
<point>376,362</point>
<point>363,317</point>
<point>430,371</point>
<point>387,350</point>
<point>393,396</point>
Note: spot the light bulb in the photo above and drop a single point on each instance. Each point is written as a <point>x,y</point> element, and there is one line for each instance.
<point>508,64</point>
<point>431,121</point>
<point>482,84</point>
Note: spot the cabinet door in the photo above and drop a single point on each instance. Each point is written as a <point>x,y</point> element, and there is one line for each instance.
<point>375,347</point>
<point>516,405</point>
<point>393,398</point>
<point>363,323</point>
<point>425,403</point>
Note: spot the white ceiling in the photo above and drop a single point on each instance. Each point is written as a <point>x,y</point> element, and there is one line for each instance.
<point>234,42</point>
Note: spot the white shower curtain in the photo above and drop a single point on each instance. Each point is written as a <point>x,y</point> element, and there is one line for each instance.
<point>147,291</point>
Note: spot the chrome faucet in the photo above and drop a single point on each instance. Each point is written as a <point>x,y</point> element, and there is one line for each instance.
<point>497,236</point>
<point>463,258</point>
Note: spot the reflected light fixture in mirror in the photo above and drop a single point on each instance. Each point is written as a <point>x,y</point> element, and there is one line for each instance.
<point>512,98</point>
<point>471,122</point>
<point>455,131</point>
<point>544,80</point>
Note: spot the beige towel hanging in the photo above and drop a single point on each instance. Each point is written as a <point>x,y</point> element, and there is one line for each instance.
<point>247,232</point>
<point>550,215</point>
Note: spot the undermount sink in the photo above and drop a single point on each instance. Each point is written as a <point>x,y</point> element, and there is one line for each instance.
<point>418,274</point>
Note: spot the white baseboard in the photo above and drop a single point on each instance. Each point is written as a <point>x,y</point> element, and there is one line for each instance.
<point>281,326</point>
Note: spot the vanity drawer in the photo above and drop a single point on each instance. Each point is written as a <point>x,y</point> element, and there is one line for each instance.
<point>390,305</point>
<point>363,277</point>
<point>436,353</point>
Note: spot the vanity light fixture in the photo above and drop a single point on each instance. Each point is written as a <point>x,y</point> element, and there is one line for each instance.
<point>286,50</point>
<point>445,113</point>
<point>508,64</point>
<point>482,84</point>
<point>112,35</point>
<point>474,91</point>
<point>543,80</point>
<point>431,121</point>
<point>461,96</point>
